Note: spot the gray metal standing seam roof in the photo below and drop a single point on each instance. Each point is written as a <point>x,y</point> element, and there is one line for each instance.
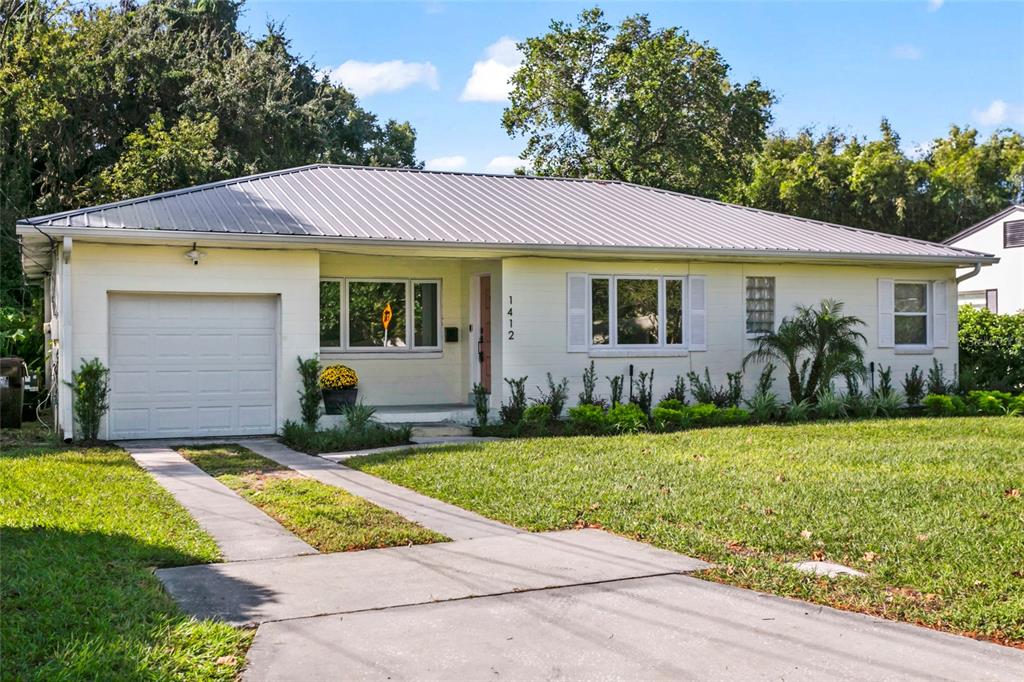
<point>412,206</point>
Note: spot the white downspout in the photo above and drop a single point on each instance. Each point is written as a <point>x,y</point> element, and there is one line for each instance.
<point>967,275</point>
<point>66,357</point>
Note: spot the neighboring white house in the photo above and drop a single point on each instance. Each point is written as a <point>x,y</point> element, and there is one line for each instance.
<point>200,300</point>
<point>999,288</point>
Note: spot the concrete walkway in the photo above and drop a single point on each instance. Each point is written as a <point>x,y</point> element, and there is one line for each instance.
<point>242,531</point>
<point>444,518</point>
<point>260,591</point>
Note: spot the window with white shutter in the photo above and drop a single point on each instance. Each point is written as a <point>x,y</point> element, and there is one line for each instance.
<point>886,322</point>
<point>576,314</point>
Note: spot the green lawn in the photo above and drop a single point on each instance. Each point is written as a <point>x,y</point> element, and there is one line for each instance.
<point>931,509</point>
<point>82,531</point>
<point>326,517</point>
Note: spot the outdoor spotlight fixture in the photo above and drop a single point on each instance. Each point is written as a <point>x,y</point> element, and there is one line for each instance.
<point>194,255</point>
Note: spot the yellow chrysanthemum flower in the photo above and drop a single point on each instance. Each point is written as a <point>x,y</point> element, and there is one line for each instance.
<point>338,376</point>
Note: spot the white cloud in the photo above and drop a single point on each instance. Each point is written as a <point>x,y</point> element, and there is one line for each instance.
<point>503,165</point>
<point>910,52</point>
<point>998,113</point>
<point>489,80</point>
<point>368,78</point>
<point>934,5</point>
<point>446,163</point>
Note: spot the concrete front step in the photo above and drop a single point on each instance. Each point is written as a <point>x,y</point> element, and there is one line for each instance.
<point>440,430</point>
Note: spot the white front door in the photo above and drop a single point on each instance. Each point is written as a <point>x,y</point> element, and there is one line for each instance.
<point>192,365</point>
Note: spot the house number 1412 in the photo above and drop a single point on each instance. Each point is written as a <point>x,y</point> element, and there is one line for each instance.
<point>511,332</point>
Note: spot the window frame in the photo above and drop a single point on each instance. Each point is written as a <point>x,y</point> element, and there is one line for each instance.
<point>613,344</point>
<point>774,306</point>
<point>927,315</point>
<point>410,329</point>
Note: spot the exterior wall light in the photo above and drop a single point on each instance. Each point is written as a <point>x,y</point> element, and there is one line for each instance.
<point>194,255</point>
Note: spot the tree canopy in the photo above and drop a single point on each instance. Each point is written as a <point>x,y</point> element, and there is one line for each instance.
<point>653,106</point>
<point>952,183</point>
<point>644,105</point>
<point>100,103</point>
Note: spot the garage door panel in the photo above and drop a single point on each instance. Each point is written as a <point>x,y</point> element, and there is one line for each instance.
<point>192,365</point>
<point>129,346</point>
<point>258,381</point>
<point>252,416</point>
<point>214,418</point>
<point>168,346</point>
<point>254,345</point>
<point>129,383</point>
<point>215,383</point>
<point>173,383</point>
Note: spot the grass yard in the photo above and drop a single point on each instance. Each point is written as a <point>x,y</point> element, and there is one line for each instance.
<point>931,509</point>
<point>326,517</point>
<point>82,530</point>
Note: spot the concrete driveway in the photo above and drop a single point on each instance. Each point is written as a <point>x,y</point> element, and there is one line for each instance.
<point>498,603</point>
<point>563,605</point>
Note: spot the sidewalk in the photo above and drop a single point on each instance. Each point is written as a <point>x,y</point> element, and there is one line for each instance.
<point>242,531</point>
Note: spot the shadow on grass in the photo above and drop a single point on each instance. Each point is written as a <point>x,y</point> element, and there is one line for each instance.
<point>87,606</point>
<point>361,461</point>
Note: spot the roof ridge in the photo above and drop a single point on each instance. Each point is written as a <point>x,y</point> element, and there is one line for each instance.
<point>981,224</point>
<point>171,193</point>
<point>813,221</point>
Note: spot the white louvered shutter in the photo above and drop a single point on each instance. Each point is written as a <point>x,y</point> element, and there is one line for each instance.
<point>886,319</point>
<point>697,313</point>
<point>940,313</point>
<point>576,313</point>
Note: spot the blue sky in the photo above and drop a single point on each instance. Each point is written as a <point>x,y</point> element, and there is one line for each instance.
<point>441,65</point>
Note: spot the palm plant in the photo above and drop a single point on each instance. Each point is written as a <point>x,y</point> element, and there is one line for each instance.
<point>816,345</point>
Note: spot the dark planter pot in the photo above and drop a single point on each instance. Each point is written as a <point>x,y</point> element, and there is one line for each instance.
<point>336,398</point>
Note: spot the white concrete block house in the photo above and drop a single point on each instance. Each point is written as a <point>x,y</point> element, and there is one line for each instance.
<point>199,300</point>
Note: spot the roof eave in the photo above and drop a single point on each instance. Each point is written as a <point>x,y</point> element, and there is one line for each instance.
<point>141,235</point>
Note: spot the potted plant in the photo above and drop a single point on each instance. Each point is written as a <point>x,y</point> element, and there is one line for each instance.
<point>338,387</point>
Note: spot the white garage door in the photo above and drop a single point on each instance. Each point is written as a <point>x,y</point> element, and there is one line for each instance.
<point>191,365</point>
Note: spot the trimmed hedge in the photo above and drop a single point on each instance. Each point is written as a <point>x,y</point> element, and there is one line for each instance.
<point>992,349</point>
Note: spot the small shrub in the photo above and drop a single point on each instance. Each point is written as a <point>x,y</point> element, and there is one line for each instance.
<point>730,416</point>
<point>885,386</point>
<point>643,389</point>
<point>888,404</point>
<point>704,391</point>
<point>702,414</point>
<point>309,394</point>
<point>589,396</point>
<point>512,411</point>
<point>989,402</point>
<point>587,420</point>
<point>766,380</point>
<point>857,404</point>
<point>90,397</point>
<point>555,397</point>
<point>936,379</point>
<point>913,386</point>
<point>666,419</point>
<point>830,405</point>
<point>672,404</point>
<point>992,348</point>
<point>939,405</point>
<point>481,403</point>
<point>615,385</point>
<point>536,420</point>
<point>764,407</point>
<point>799,411</point>
<point>341,438</point>
<point>1016,406</point>
<point>678,391</point>
<point>358,416</point>
<point>627,418</point>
